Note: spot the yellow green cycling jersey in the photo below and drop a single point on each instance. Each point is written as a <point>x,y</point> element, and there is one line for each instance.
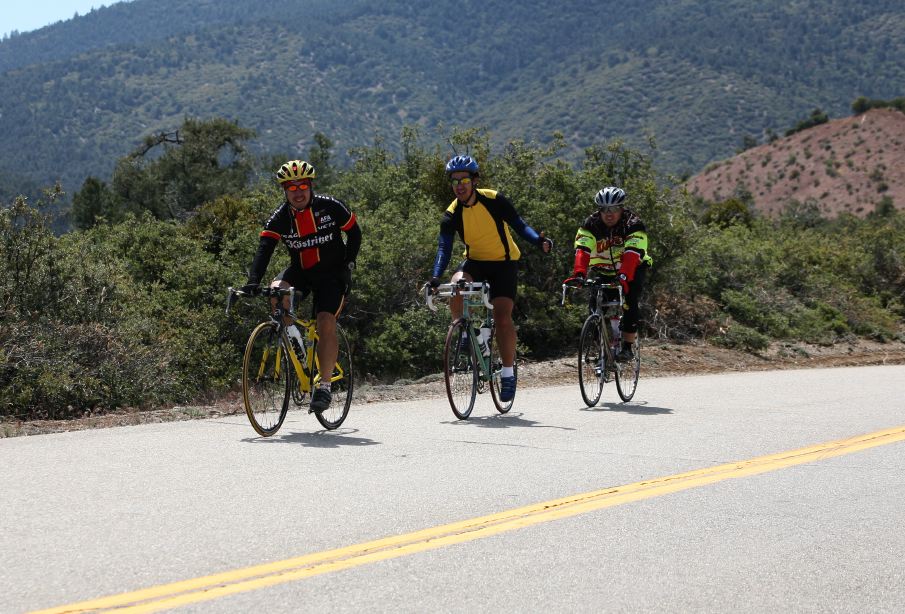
<point>606,244</point>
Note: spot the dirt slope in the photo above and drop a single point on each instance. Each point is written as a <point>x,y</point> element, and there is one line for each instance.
<point>845,164</point>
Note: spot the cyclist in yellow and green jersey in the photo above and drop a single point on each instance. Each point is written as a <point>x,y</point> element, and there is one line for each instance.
<point>484,220</point>
<point>611,245</point>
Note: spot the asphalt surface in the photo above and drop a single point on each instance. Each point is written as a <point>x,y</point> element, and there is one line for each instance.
<point>94,513</point>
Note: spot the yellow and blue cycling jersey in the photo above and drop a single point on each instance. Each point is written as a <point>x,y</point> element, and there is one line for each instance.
<point>485,228</point>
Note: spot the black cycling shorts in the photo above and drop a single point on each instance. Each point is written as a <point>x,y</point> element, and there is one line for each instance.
<point>329,288</point>
<point>502,275</point>
<point>632,314</point>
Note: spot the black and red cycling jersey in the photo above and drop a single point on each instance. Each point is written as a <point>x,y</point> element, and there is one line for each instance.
<point>312,235</point>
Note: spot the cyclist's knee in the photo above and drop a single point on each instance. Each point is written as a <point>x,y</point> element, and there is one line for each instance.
<point>326,320</point>
<point>628,326</point>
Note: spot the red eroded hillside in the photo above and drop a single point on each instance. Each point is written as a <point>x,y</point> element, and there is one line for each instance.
<point>847,164</point>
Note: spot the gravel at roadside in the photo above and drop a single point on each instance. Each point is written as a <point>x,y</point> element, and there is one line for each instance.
<point>658,360</point>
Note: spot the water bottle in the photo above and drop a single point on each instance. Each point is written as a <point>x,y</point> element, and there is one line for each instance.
<point>295,338</point>
<point>484,340</point>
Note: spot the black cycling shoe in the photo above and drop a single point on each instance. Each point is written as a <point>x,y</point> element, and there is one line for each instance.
<point>625,354</point>
<point>320,400</point>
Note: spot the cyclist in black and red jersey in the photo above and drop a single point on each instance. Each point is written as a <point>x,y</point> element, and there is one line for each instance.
<point>311,227</point>
<point>611,244</point>
<point>483,219</point>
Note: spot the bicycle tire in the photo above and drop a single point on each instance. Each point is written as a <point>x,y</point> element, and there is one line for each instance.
<point>591,359</point>
<point>266,379</point>
<point>459,371</point>
<point>342,384</point>
<point>496,366</point>
<point>627,373</point>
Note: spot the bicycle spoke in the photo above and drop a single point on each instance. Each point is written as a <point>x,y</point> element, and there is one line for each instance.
<point>459,371</point>
<point>341,385</point>
<point>265,379</point>
<point>496,368</point>
<point>627,373</point>
<point>591,361</point>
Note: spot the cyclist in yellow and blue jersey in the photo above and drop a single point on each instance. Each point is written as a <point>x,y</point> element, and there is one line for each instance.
<point>484,220</point>
<point>611,244</point>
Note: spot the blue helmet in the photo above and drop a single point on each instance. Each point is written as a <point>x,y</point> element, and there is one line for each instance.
<point>462,163</point>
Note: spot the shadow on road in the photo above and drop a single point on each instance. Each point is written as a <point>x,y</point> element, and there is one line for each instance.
<point>505,421</point>
<point>318,439</point>
<point>640,408</point>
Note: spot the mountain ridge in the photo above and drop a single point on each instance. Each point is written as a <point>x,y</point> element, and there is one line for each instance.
<point>359,72</point>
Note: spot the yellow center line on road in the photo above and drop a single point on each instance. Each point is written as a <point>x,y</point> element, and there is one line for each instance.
<point>252,578</point>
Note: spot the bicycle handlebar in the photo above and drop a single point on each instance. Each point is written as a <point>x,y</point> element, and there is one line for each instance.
<point>592,283</point>
<point>460,288</point>
<point>234,293</point>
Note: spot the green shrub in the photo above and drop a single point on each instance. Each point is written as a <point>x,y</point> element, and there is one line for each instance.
<point>741,337</point>
<point>130,313</point>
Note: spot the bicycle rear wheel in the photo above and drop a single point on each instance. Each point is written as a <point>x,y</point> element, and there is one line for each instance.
<point>627,372</point>
<point>459,369</point>
<point>496,367</point>
<point>265,379</point>
<point>341,385</point>
<point>591,360</point>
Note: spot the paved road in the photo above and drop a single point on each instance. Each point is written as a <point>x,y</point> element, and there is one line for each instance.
<point>88,514</point>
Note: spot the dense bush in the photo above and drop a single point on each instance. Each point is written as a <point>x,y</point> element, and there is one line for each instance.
<point>131,313</point>
<point>812,283</point>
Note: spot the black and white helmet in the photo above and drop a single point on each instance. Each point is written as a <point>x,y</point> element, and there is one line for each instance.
<point>610,197</point>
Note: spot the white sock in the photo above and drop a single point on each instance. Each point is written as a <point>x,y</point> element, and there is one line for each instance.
<point>507,372</point>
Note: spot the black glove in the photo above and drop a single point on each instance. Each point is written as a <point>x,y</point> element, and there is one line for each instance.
<point>546,244</point>
<point>434,282</point>
<point>251,289</point>
<point>347,275</point>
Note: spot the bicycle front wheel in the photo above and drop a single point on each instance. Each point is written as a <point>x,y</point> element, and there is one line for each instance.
<point>591,360</point>
<point>341,384</point>
<point>265,379</point>
<point>496,368</point>
<point>627,372</point>
<point>459,369</point>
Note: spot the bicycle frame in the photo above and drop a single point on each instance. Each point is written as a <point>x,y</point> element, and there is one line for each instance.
<point>607,311</point>
<point>302,370</point>
<point>476,299</point>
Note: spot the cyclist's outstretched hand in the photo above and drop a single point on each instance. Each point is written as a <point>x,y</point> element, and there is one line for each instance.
<point>251,289</point>
<point>546,243</point>
<point>433,283</point>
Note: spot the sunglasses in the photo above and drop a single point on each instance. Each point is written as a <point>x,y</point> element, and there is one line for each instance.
<point>292,187</point>
<point>463,181</point>
<point>610,209</point>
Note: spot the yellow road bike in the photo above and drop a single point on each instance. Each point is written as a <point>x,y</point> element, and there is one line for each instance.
<point>471,359</point>
<point>278,366</point>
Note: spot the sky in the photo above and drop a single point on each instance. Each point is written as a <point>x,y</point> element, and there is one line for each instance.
<point>26,16</point>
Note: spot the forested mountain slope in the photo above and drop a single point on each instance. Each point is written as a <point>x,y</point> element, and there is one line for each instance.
<point>695,76</point>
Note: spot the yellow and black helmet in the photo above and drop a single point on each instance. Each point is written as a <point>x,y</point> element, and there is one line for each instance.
<point>295,170</point>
